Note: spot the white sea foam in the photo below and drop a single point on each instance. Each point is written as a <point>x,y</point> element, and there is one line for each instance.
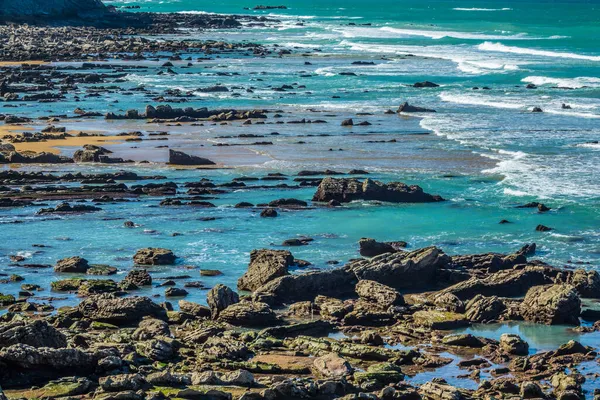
<point>467,59</point>
<point>501,48</point>
<point>578,82</point>
<point>474,100</point>
<point>387,32</point>
<point>482,9</point>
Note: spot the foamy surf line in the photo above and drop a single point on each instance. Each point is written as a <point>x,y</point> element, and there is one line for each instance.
<point>482,9</point>
<point>499,47</point>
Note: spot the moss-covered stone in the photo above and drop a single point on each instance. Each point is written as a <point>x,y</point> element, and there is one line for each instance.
<point>442,320</point>
<point>6,300</point>
<point>102,325</point>
<point>101,269</point>
<point>97,286</point>
<point>66,285</point>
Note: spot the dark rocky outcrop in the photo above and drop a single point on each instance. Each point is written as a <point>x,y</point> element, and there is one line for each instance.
<point>181,158</point>
<point>348,189</point>
<point>407,108</point>
<point>370,247</point>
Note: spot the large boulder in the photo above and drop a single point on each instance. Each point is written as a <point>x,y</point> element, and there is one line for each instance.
<point>248,313</point>
<point>265,265</point>
<point>154,256</point>
<point>381,295</point>
<point>219,298</point>
<point>120,311</point>
<point>511,343</point>
<point>293,288</point>
<point>552,304</point>
<point>181,158</point>
<point>37,334</point>
<point>402,270</point>
<point>345,190</point>
<point>484,309</point>
<point>72,264</point>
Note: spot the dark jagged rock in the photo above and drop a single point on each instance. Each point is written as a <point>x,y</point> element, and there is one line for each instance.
<point>425,84</point>
<point>33,158</point>
<point>181,158</point>
<point>346,190</point>
<point>371,248</point>
<point>66,208</point>
<point>407,108</point>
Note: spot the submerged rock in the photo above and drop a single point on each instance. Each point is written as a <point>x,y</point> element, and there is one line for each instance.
<point>345,190</point>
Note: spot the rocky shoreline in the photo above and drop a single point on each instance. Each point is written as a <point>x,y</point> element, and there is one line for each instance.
<point>366,328</point>
<point>274,341</point>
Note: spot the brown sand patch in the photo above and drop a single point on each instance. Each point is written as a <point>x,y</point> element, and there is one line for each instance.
<point>18,63</point>
<point>52,145</point>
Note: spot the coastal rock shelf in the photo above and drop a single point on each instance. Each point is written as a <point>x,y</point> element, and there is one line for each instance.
<point>303,201</point>
<point>207,355</point>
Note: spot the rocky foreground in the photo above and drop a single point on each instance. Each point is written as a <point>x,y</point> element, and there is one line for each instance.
<point>272,340</point>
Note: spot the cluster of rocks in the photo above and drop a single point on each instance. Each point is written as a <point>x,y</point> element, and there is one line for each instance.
<point>274,343</point>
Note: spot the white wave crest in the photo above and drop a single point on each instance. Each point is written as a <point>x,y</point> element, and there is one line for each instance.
<point>499,47</point>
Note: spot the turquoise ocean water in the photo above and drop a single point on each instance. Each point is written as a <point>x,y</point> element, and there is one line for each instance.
<point>483,150</point>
